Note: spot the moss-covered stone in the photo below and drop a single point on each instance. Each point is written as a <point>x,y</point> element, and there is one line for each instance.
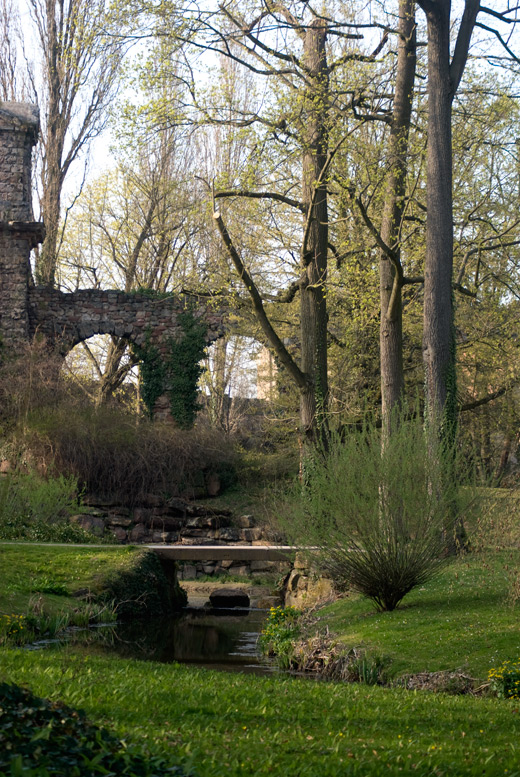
<point>143,588</point>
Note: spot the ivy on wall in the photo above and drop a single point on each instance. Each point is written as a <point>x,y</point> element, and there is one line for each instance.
<point>176,371</point>
<point>152,372</point>
<point>184,370</point>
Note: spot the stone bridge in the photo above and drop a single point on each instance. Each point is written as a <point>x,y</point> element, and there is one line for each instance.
<point>28,311</point>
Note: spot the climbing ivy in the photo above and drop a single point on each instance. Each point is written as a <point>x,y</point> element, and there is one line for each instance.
<point>153,372</point>
<point>184,370</point>
<point>177,371</point>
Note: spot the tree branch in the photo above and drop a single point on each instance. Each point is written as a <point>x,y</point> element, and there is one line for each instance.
<point>261,196</point>
<point>281,351</point>
<point>488,398</point>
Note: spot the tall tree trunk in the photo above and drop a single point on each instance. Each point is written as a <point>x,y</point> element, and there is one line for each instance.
<point>438,340</point>
<point>390,275</point>
<point>313,309</point>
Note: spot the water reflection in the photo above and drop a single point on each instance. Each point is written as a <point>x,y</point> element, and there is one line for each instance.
<point>227,640</point>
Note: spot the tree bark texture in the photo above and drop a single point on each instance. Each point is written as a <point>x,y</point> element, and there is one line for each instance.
<point>313,309</point>
<point>390,276</point>
<point>438,345</point>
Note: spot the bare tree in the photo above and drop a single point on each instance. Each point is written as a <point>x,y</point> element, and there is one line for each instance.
<point>80,65</point>
<point>13,74</point>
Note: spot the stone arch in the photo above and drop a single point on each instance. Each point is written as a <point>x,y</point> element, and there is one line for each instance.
<point>65,319</point>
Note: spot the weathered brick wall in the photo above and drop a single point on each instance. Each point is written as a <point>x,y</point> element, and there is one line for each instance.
<point>67,319</point>
<point>18,132</point>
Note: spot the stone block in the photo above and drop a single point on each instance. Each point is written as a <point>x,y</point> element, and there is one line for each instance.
<point>189,572</point>
<point>114,519</point>
<point>120,534</point>
<point>244,521</point>
<point>90,523</point>
<point>138,533</point>
<point>229,534</point>
<point>241,571</point>
<point>250,535</point>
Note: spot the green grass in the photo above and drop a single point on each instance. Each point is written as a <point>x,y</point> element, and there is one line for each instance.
<point>53,574</point>
<point>463,619</point>
<point>237,725</point>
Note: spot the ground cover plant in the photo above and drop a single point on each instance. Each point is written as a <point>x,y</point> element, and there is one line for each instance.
<point>38,737</point>
<point>231,725</point>
<point>37,508</point>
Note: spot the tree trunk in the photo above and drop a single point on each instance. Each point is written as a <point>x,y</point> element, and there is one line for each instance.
<point>313,309</point>
<point>438,332</point>
<point>391,345</point>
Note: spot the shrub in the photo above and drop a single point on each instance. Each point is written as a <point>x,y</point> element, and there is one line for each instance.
<point>142,589</point>
<point>116,456</point>
<point>33,507</point>
<point>505,680</point>
<point>48,738</point>
<point>280,633</point>
<point>379,519</point>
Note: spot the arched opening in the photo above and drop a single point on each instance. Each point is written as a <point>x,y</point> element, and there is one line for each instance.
<point>104,369</point>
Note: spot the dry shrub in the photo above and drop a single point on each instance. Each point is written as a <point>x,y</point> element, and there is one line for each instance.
<point>28,382</point>
<point>496,525</point>
<point>118,457</point>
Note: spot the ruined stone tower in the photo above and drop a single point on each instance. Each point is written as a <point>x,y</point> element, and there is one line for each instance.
<point>19,233</point>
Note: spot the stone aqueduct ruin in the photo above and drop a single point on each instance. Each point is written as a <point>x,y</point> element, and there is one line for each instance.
<point>65,319</point>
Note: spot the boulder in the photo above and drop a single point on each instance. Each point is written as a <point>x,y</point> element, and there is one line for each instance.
<point>227,598</point>
<point>138,533</point>
<point>120,534</point>
<point>90,523</point>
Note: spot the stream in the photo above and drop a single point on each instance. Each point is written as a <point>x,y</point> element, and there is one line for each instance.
<point>221,639</point>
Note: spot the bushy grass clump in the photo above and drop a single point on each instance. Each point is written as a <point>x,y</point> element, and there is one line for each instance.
<point>379,514</point>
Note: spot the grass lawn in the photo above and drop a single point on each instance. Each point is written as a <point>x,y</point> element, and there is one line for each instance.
<point>231,724</point>
<point>30,572</point>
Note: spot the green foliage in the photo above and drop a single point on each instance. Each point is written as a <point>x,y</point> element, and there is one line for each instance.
<point>280,633</point>
<point>152,373</point>
<point>36,508</point>
<point>184,370</point>
<point>44,738</point>
<point>142,589</point>
<point>379,518</point>
<point>177,372</point>
<point>505,680</point>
